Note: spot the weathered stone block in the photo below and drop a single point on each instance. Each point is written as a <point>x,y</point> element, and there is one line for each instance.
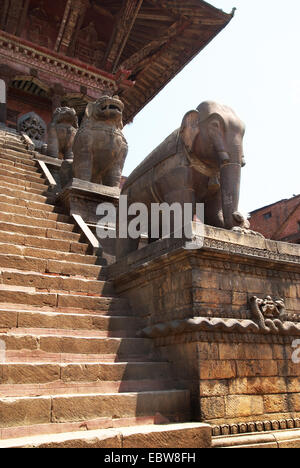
<point>212,408</point>
<point>276,404</point>
<point>212,370</point>
<point>250,368</point>
<point>244,406</point>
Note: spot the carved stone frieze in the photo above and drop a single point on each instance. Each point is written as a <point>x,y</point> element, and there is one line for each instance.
<point>257,426</point>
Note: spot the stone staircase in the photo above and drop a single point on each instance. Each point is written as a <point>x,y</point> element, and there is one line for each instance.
<point>72,361</point>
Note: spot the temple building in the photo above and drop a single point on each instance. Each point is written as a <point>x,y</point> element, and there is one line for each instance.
<point>279,221</point>
<point>70,52</point>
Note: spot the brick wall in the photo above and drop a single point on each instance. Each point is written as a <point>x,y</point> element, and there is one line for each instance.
<point>279,221</point>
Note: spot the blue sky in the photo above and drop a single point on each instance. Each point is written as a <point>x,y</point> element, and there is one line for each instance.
<point>253,65</point>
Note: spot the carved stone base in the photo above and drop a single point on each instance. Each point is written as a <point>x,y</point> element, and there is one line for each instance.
<point>82,198</point>
<point>227,317</point>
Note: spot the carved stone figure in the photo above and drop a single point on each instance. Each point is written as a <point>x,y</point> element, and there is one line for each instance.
<point>100,148</point>
<point>269,314</point>
<point>198,163</point>
<point>61,133</point>
<point>34,127</point>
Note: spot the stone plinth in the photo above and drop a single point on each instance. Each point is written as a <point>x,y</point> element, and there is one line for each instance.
<point>82,198</point>
<point>206,314</point>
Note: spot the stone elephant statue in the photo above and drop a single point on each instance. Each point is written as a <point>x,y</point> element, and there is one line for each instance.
<point>61,133</point>
<point>100,148</point>
<point>198,163</point>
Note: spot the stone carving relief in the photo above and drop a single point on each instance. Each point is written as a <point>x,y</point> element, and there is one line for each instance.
<point>35,128</point>
<point>268,317</point>
<point>271,316</point>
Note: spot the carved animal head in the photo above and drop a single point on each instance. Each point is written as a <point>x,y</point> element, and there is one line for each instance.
<point>65,115</point>
<point>106,108</point>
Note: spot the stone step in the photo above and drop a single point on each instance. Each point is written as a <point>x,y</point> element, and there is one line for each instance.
<point>15,140</point>
<point>28,204</point>
<point>22,181</point>
<point>20,380</point>
<point>20,168</point>
<point>12,191</point>
<point>67,388</point>
<point>13,144</point>
<point>17,174</point>
<point>35,222</point>
<point>60,341</point>
<point>103,372</point>
<point>19,152</point>
<point>17,159</point>
<point>168,436</point>
<point>42,357</point>
<point>18,295</point>
<point>104,325</point>
<point>40,265</point>
<point>34,252</point>
<point>11,208</point>
<point>44,243</point>
<point>48,282</point>
<point>29,187</point>
<point>27,411</point>
<point>28,230</point>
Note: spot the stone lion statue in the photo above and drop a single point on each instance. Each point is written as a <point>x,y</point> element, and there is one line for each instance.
<point>100,148</point>
<point>61,133</point>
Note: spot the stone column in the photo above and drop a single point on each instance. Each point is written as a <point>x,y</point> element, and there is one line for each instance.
<point>3,96</point>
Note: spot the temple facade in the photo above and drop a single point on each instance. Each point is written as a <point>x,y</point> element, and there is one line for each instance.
<point>69,53</point>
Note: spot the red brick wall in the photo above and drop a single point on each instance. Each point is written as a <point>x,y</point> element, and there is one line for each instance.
<point>24,103</point>
<point>283,222</point>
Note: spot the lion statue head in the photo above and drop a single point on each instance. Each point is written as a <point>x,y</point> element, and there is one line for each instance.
<point>65,115</point>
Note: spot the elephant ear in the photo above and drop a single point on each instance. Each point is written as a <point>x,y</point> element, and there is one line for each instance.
<point>190,129</point>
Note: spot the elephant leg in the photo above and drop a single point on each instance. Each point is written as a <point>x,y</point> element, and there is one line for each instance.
<point>186,198</point>
<point>213,213</point>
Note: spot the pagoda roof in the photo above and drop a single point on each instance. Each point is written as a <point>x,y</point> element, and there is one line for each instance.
<point>140,45</point>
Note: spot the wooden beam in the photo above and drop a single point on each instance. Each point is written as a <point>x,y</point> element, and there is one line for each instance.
<point>123,27</point>
<point>23,18</point>
<point>63,25</point>
<point>81,14</point>
<point>75,18</point>
<point>4,14</point>
<point>141,55</point>
<point>14,15</point>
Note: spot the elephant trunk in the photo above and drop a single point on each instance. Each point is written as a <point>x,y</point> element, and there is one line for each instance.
<point>230,177</point>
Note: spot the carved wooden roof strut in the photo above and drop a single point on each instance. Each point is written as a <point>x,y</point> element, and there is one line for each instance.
<point>123,27</point>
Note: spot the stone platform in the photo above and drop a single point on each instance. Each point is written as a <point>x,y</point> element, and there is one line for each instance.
<point>82,198</point>
<point>226,317</point>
